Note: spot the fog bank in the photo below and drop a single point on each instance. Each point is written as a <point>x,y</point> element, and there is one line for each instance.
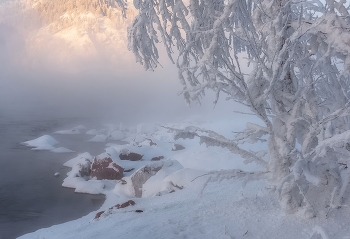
<point>41,77</point>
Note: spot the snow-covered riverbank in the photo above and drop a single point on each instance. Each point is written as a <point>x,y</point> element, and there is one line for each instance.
<point>157,187</point>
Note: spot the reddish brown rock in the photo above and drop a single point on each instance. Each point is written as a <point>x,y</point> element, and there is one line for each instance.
<point>151,143</point>
<point>124,205</point>
<point>98,215</point>
<point>106,169</point>
<point>177,147</point>
<point>130,156</point>
<point>157,158</point>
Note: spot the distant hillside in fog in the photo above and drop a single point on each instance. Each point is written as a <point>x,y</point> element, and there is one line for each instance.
<point>82,27</point>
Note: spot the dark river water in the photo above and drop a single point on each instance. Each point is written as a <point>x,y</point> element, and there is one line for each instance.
<point>30,196</point>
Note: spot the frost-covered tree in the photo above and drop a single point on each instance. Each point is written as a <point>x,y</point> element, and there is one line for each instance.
<point>64,13</point>
<point>298,83</point>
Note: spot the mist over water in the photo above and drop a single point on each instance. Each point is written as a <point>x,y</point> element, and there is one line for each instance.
<point>46,86</point>
<point>95,87</point>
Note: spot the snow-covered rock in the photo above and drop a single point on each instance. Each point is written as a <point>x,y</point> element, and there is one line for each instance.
<point>177,147</point>
<point>146,129</point>
<point>133,186</point>
<point>45,142</point>
<point>80,127</point>
<point>75,130</point>
<point>90,186</point>
<point>156,185</point>
<point>131,156</point>
<point>100,138</point>
<point>81,171</point>
<point>81,158</point>
<point>117,206</point>
<point>68,131</point>
<point>142,175</point>
<point>92,132</point>
<point>157,158</point>
<point>146,142</point>
<point>117,135</point>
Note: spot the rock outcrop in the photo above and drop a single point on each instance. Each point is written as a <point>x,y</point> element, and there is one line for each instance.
<point>127,155</point>
<point>177,147</point>
<point>98,215</point>
<point>105,168</point>
<point>157,158</point>
<point>124,205</point>
<point>85,168</point>
<point>118,206</point>
<point>142,175</point>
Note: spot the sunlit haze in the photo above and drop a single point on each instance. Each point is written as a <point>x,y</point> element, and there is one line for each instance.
<point>68,67</point>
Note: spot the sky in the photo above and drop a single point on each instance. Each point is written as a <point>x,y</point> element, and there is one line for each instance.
<point>41,83</point>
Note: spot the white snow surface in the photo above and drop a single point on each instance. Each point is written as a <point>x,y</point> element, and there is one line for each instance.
<point>45,142</point>
<point>181,199</point>
<point>222,210</point>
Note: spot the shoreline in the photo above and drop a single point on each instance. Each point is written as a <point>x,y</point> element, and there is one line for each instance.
<point>154,167</point>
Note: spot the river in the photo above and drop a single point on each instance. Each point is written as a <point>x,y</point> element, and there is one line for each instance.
<point>30,196</point>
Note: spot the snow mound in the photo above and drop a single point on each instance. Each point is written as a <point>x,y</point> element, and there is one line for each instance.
<point>79,159</point>
<point>75,130</point>
<point>80,127</point>
<point>80,172</point>
<point>45,142</point>
<point>98,138</point>
<point>62,150</point>
<point>147,181</point>
<point>146,129</point>
<point>91,187</point>
<point>92,132</point>
<point>166,181</point>
<point>68,131</point>
<point>117,135</point>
